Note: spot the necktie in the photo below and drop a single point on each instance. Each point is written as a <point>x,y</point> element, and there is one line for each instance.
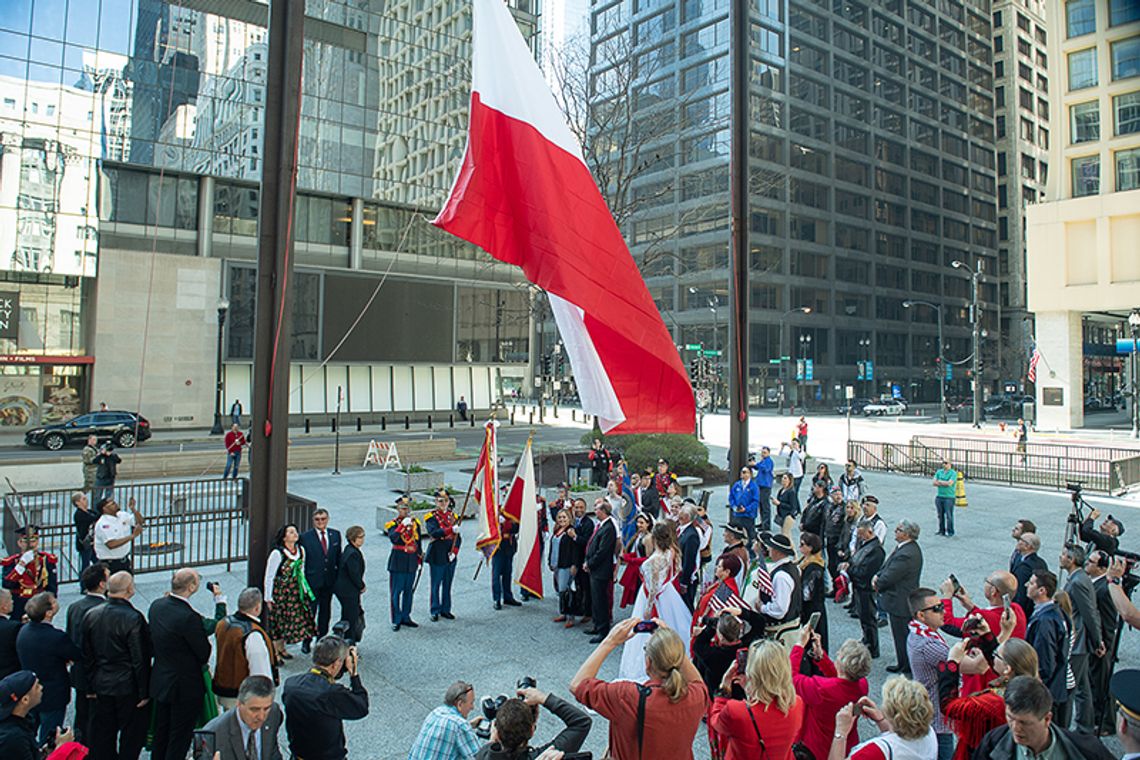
<point>324,543</point>
<point>251,746</point>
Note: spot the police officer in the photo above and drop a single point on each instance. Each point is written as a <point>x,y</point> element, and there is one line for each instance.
<point>29,571</point>
<point>407,555</point>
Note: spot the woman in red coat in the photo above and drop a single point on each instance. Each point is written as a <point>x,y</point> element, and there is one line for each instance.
<point>837,684</point>
<point>974,715</point>
<point>765,724</point>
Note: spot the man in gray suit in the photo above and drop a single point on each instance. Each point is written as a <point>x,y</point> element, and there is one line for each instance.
<point>249,731</point>
<point>1087,641</point>
<point>899,576</point>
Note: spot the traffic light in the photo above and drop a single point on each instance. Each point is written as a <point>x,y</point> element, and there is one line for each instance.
<point>694,369</point>
<point>546,366</point>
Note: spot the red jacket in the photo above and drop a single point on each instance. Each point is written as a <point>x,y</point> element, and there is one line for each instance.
<point>235,441</point>
<point>738,738</point>
<point>992,616</point>
<point>823,697</point>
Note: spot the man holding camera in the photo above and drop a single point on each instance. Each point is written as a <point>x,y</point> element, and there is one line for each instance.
<point>316,705</point>
<point>516,720</point>
<point>1107,539</point>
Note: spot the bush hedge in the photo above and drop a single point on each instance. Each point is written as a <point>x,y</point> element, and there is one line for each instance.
<point>686,455</point>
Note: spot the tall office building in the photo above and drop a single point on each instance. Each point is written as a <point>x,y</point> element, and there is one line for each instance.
<point>1084,270</point>
<point>131,149</point>
<point>872,168</point>
<point>1021,102</point>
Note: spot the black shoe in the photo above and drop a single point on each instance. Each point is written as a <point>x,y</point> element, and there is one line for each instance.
<point>512,602</point>
<point>940,533</point>
<point>435,618</point>
<point>305,647</point>
<point>447,615</point>
<point>395,626</point>
<point>598,639</point>
<point>411,624</point>
<point>896,669</point>
<point>591,632</point>
<point>498,605</point>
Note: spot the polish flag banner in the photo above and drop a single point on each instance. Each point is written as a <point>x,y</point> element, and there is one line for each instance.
<point>485,487</point>
<point>525,195</point>
<point>521,506</point>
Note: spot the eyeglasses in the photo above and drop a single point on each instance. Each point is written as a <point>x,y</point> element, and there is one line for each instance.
<point>934,608</point>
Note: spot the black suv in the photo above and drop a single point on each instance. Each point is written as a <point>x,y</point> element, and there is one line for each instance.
<point>125,429</point>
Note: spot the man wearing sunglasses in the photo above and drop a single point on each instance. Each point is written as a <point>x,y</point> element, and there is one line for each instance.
<point>926,650</point>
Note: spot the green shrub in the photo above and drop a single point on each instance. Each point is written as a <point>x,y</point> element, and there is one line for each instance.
<point>411,469</point>
<point>686,454</point>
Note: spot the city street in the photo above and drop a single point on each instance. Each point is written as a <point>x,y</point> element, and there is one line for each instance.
<point>407,672</point>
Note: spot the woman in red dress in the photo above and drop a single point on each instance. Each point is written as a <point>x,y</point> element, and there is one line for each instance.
<point>635,553</point>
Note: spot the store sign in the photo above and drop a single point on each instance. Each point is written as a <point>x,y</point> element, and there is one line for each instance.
<point>9,314</point>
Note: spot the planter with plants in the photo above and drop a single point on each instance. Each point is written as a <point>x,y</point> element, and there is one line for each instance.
<point>412,477</point>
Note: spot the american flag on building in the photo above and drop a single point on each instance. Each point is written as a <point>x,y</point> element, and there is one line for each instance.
<point>1036,357</point>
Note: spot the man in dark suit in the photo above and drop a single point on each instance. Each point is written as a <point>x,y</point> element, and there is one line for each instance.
<point>600,569</point>
<point>93,583</point>
<point>1100,668</point>
<point>580,531</point>
<point>9,627</point>
<point>249,730</point>
<point>690,543</point>
<point>116,658</point>
<point>648,499</point>
<point>1086,640</point>
<point>865,563</point>
<point>46,650</point>
<point>899,576</point>
<point>322,560</point>
<point>1048,633</point>
<point>181,649</point>
<point>1029,562</point>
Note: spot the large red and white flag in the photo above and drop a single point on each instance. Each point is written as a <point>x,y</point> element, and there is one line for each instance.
<point>525,195</point>
<point>485,486</point>
<point>521,506</point>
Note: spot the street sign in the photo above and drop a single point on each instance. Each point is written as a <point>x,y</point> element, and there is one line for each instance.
<point>1124,345</point>
<point>692,346</point>
<point>861,371</point>
<point>773,361</point>
<point>849,392</point>
<point>949,371</point>
<point>808,369</point>
<point>712,353</point>
<point>799,369</point>
<point>869,370</point>
<point>785,358</point>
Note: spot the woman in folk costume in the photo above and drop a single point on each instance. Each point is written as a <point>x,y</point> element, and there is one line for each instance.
<point>658,598</point>
<point>287,592</point>
<point>724,589</point>
<point>635,553</point>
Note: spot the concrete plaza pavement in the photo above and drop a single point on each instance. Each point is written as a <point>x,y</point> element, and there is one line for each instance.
<point>406,672</point>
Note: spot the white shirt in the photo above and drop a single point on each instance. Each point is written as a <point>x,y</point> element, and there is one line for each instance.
<point>783,585</point>
<point>110,528</point>
<point>274,562</point>
<point>246,729</point>
<point>796,464</point>
<point>257,656</point>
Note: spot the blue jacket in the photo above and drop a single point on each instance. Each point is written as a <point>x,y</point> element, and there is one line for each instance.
<point>744,499</point>
<point>1048,633</point>
<point>764,470</point>
<point>46,650</point>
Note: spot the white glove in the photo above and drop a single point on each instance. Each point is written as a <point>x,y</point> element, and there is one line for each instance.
<point>406,521</point>
<point>27,557</point>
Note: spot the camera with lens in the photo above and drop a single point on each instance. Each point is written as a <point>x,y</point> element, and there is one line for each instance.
<point>341,628</point>
<point>490,706</point>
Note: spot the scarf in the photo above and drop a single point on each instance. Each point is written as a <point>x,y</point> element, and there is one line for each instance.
<point>303,587</point>
<point>811,559</point>
<point>925,631</point>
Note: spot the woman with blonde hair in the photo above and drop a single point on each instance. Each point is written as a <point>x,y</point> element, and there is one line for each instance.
<point>765,724</point>
<point>974,715</point>
<point>672,702</point>
<point>905,722</point>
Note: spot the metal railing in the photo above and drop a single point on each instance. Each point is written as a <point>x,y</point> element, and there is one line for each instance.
<point>188,523</point>
<point>1100,469</point>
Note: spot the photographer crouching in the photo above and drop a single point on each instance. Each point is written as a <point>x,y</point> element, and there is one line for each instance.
<point>316,705</point>
<point>515,721</point>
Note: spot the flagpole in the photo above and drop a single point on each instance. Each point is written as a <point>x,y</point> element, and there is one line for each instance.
<point>738,324</point>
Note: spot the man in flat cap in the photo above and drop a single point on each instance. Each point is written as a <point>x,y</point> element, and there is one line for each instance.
<point>1125,687</point>
<point>29,571</point>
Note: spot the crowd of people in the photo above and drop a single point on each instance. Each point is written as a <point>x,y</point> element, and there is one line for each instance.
<point>736,641</point>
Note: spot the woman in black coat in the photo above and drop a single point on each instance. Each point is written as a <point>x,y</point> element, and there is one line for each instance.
<point>787,504</point>
<point>350,582</point>
<point>814,583</point>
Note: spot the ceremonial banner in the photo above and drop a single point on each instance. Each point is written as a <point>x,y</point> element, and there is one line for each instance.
<point>485,484</point>
<point>525,195</point>
<point>522,507</point>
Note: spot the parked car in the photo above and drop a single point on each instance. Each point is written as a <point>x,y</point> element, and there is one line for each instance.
<point>124,429</point>
<point>856,405</point>
<point>885,407</point>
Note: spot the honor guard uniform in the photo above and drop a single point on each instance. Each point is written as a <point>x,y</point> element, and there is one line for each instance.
<point>502,563</point>
<point>443,549</point>
<point>404,532</point>
<point>29,571</point>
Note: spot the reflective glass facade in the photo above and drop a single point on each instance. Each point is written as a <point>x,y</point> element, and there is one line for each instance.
<point>872,168</point>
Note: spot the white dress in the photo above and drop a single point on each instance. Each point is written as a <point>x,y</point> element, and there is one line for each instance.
<point>657,597</point>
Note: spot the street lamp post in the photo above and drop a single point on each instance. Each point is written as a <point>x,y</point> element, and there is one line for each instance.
<point>976,319</point>
<point>805,348</point>
<point>1134,326</point>
<point>223,306</point>
<point>783,319</point>
<point>941,355</point>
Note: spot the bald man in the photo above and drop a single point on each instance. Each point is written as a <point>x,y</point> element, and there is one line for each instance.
<point>997,587</point>
<point>181,650</point>
<point>116,657</point>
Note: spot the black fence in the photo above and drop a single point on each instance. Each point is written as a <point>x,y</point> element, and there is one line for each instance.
<point>1104,469</point>
<point>188,523</point>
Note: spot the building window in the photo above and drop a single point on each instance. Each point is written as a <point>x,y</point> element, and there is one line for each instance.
<point>1086,176</point>
<point>1082,69</point>
<point>1126,58</point>
<point>1126,111</point>
<point>997,20</point>
<point>1086,121</point>
<point>1127,169</point>
<point>1122,12</point>
<point>999,69</point>
<point>999,44</point>
<point>1080,17</point>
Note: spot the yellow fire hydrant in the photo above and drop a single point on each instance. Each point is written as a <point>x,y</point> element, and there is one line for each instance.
<point>960,491</point>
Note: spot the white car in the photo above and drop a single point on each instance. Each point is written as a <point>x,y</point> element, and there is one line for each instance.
<point>884,407</point>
